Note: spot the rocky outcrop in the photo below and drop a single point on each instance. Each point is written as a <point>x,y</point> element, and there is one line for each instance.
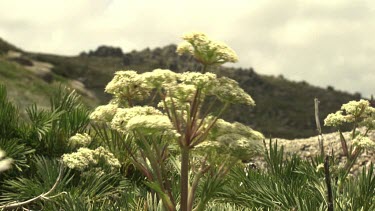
<point>80,88</point>
<point>309,148</point>
<point>40,69</point>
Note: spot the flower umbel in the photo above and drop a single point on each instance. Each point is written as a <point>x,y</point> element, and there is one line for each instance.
<point>104,113</point>
<point>228,90</point>
<point>354,111</point>
<point>85,157</point>
<point>235,140</point>
<point>80,139</point>
<point>205,50</point>
<point>335,119</point>
<point>128,85</point>
<point>364,142</point>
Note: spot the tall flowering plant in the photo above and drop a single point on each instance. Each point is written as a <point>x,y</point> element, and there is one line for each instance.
<point>175,122</point>
<point>358,114</point>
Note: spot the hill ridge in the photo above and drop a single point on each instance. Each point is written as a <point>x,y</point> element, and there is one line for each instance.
<point>284,108</point>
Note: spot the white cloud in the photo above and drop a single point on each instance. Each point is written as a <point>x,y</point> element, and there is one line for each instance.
<point>322,42</point>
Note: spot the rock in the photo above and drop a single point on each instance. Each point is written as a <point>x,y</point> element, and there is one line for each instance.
<point>309,148</point>
<point>22,61</point>
<point>13,54</point>
<point>80,87</point>
<point>42,70</point>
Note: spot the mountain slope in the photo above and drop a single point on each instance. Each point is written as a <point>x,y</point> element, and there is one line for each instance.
<point>284,108</point>
<point>28,81</point>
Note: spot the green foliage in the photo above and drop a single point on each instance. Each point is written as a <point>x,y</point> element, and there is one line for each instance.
<point>9,117</point>
<point>41,179</point>
<point>18,151</point>
<point>118,144</point>
<point>359,192</point>
<point>290,183</point>
<point>41,121</point>
<point>284,186</point>
<point>51,129</point>
<point>12,134</point>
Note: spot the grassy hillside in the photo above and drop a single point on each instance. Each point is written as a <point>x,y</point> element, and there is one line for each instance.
<point>26,87</point>
<point>284,108</point>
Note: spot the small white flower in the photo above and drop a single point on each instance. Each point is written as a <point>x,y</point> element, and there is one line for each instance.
<point>80,139</point>
<point>128,84</point>
<point>232,139</point>
<point>355,107</point>
<point>364,142</point>
<point>123,115</point>
<point>319,167</point>
<point>359,111</point>
<point>85,158</point>
<point>199,80</point>
<point>104,113</point>
<point>160,78</point>
<point>335,119</point>
<point>228,90</point>
<point>5,164</point>
<point>205,50</point>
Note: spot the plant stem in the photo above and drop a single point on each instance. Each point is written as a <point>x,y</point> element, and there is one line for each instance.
<point>204,69</point>
<point>318,127</point>
<point>328,182</point>
<point>184,178</point>
<point>344,145</point>
<point>194,186</point>
<point>43,196</point>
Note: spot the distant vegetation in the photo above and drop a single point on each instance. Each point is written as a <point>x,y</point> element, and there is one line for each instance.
<point>284,108</point>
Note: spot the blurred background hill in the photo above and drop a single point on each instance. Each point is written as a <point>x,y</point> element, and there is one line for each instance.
<point>284,108</point>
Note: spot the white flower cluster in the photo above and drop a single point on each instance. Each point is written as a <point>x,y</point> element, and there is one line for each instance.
<point>228,90</point>
<point>233,139</point>
<point>180,88</point>
<point>128,84</point>
<point>199,80</point>
<point>79,160</point>
<point>335,119</point>
<point>123,115</point>
<point>151,124</point>
<point>109,159</point>
<point>222,127</point>
<point>160,78</point>
<point>104,113</point>
<point>364,142</point>
<point>80,140</point>
<point>85,158</point>
<point>182,92</point>
<point>5,164</point>
<point>146,119</point>
<point>360,111</point>
<point>356,108</point>
<point>205,50</point>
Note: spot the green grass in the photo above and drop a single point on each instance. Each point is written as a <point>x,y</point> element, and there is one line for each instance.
<point>25,88</point>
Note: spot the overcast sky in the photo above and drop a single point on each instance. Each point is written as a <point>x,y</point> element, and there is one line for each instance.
<point>329,42</point>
